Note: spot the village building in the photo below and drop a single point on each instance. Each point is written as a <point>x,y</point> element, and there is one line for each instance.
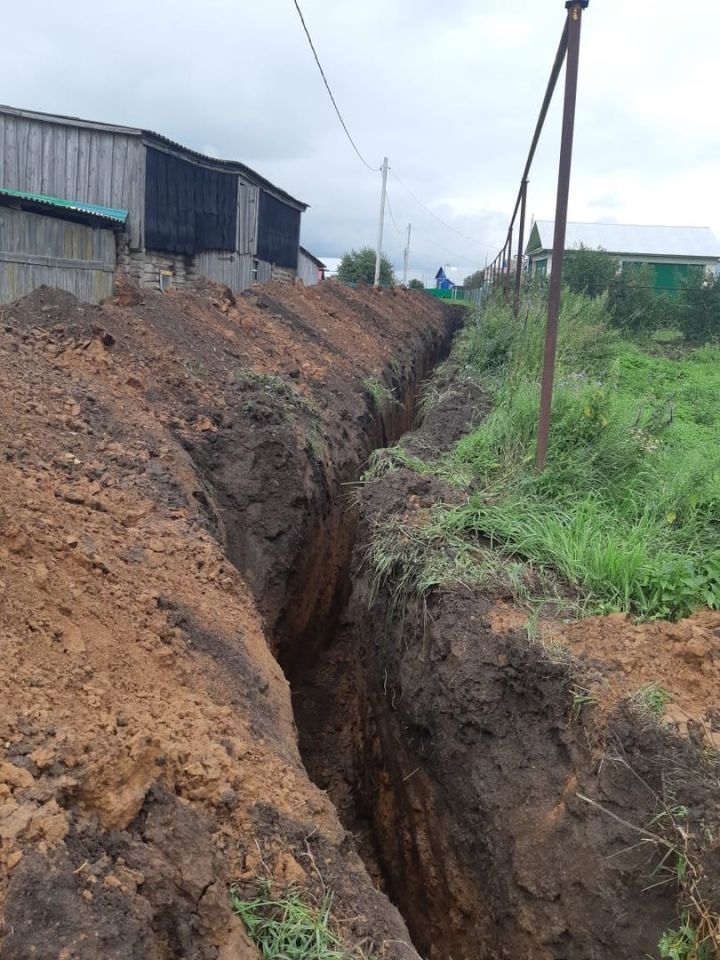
<point>80,200</point>
<point>672,253</point>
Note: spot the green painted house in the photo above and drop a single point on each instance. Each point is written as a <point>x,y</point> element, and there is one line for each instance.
<point>673,253</point>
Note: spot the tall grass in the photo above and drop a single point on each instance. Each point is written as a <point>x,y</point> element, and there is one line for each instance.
<point>628,508</point>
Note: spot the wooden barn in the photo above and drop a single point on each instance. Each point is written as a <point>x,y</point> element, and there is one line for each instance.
<point>79,199</point>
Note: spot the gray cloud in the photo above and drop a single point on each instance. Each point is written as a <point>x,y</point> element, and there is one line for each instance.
<point>449,95</point>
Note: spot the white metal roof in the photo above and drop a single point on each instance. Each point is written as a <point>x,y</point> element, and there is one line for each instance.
<point>634,240</point>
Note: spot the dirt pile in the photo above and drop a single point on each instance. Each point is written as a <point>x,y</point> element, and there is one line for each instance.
<point>170,469</point>
<point>518,799</point>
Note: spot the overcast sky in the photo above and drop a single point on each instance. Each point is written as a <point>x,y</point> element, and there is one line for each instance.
<point>449,92</point>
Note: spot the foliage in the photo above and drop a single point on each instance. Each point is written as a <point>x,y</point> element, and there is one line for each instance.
<point>699,311</point>
<point>589,271</point>
<point>416,285</point>
<point>288,928</point>
<point>475,280</point>
<point>685,943</point>
<point>358,266</point>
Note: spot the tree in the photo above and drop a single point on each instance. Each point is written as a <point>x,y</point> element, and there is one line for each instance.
<point>358,266</point>
<point>589,271</point>
<point>416,285</point>
<point>475,280</point>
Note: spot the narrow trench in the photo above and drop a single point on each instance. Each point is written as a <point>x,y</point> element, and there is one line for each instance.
<point>325,686</point>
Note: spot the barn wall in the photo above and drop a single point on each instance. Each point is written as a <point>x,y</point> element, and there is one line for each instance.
<point>189,207</point>
<point>232,269</point>
<point>75,163</point>
<point>37,250</point>
<point>307,270</point>
<point>278,232</point>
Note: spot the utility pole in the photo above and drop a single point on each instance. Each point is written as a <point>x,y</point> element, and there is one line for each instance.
<point>378,253</point>
<point>406,257</point>
<point>574,23</point>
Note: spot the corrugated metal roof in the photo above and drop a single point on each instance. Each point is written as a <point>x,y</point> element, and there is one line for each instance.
<point>91,209</point>
<point>312,256</point>
<point>632,239</point>
<point>158,139</point>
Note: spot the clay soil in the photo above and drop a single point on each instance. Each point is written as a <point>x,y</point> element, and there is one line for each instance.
<point>171,469</point>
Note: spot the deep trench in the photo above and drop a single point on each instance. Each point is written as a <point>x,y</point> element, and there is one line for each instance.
<point>318,666</point>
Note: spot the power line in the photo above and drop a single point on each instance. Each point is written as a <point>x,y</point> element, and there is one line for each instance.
<point>427,209</point>
<point>389,210</point>
<point>439,246</point>
<point>327,87</point>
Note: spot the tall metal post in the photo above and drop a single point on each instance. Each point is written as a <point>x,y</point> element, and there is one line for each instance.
<point>406,257</point>
<point>378,253</point>
<point>508,261</point>
<point>521,244</point>
<point>575,9</point>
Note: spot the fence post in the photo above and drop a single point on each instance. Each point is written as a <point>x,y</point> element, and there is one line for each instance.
<point>506,283</point>
<point>574,9</point>
<point>520,251</point>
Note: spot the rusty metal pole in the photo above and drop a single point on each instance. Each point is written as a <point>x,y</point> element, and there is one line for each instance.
<point>574,9</point>
<point>521,243</point>
<point>508,260</point>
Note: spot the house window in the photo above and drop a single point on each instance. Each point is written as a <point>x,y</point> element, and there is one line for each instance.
<point>255,269</point>
<point>165,280</point>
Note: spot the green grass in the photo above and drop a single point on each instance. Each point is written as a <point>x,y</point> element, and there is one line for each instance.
<point>627,510</point>
<point>653,698</point>
<point>685,943</point>
<point>380,394</point>
<point>289,928</point>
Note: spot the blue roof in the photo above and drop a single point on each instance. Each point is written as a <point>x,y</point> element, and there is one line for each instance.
<point>91,209</point>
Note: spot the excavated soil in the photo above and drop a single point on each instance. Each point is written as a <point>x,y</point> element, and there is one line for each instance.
<point>176,543</point>
<point>172,470</point>
<point>513,797</point>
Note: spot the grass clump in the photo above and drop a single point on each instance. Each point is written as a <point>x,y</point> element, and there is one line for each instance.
<point>289,928</point>
<point>653,698</point>
<point>686,942</point>
<point>628,507</point>
<point>380,394</point>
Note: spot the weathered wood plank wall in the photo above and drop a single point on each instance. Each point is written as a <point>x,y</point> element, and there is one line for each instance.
<point>75,163</point>
<point>37,250</point>
<point>307,270</point>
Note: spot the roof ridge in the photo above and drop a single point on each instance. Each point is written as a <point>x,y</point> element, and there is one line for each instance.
<point>651,226</point>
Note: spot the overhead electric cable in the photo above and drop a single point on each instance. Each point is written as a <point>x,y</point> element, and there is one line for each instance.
<point>330,93</point>
<point>392,218</point>
<point>427,209</point>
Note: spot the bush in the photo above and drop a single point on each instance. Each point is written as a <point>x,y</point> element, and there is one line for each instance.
<point>589,271</point>
<point>416,285</point>
<point>699,310</point>
<point>358,266</point>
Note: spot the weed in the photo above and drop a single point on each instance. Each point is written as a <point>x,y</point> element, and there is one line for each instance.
<point>685,942</point>
<point>289,928</point>
<point>653,698</point>
<point>581,698</point>
<point>380,394</point>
